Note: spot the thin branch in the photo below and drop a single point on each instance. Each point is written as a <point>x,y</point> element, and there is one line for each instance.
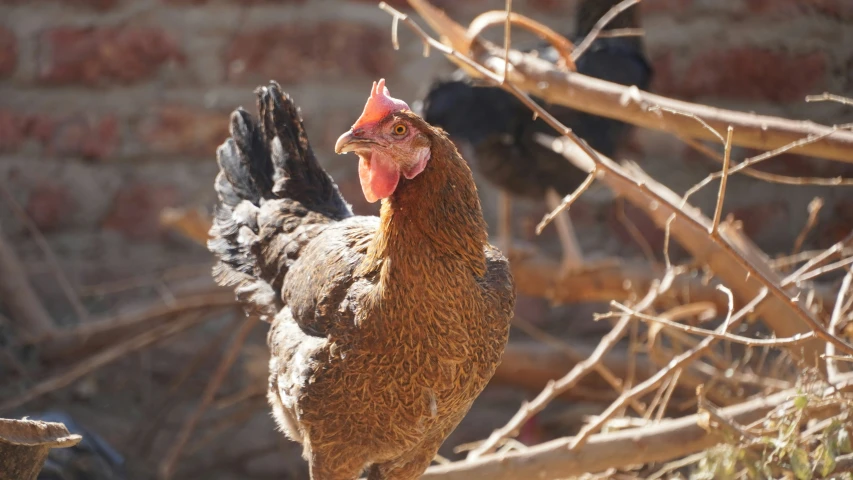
<point>105,357</point>
<point>828,97</point>
<point>481,22</point>
<point>748,341</point>
<point>825,269</point>
<point>817,260</point>
<point>507,41</point>
<point>167,466</point>
<point>26,310</point>
<point>599,26</point>
<point>66,345</point>
<point>814,210</point>
<point>634,232</point>
<point>651,383</point>
<point>59,274</point>
<point>767,176</point>
<point>622,32</point>
<point>567,202</point>
<point>718,211</point>
<point>835,320</point>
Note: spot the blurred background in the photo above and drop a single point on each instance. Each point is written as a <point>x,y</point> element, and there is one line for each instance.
<point>110,115</point>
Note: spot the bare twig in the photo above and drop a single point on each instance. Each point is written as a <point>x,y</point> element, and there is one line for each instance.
<point>599,26</point>
<point>74,343</point>
<point>507,36</point>
<point>61,278</point>
<point>622,32</point>
<point>828,97</point>
<point>567,202</point>
<point>767,176</point>
<point>835,320</point>
<point>718,211</point>
<point>750,342</point>
<point>814,209</point>
<point>651,383</point>
<point>25,308</point>
<point>109,355</point>
<point>825,269</point>
<point>167,466</point>
<point>749,162</point>
<point>634,232</point>
<point>817,260</point>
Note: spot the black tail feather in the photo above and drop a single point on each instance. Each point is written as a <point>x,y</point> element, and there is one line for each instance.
<point>272,190</point>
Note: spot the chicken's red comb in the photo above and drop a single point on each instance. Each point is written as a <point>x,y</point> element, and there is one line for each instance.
<point>379,104</point>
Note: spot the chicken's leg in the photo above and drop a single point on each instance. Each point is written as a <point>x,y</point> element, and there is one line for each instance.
<point>572,255</point>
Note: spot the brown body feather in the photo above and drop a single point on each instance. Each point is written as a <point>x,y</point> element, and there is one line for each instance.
<point>384,331</point>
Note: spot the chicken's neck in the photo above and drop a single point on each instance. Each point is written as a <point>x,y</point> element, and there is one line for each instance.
<point>431,221</point>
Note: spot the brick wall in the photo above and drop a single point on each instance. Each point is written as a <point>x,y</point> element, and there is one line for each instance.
<point>111,109</point>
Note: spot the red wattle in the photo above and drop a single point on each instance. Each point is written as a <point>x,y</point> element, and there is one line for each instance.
<point>379,179</point>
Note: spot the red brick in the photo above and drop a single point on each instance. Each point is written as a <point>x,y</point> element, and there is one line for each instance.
<point>175,129</point>
<point>241,2</point>
<point>446,5</point>
<point>99,56</point>
<point>80,135</point>
<point>749,74</point>
<point>841,9</point>
<point>85,136</point>
<point>136,210</point>
<point>8,52</point>
<point>296,53</point>
<point>49,204</point>
<point>669,7</point>
<point>91,4</point>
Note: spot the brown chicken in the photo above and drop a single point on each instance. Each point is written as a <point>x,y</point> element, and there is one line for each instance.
<point>383,330</point>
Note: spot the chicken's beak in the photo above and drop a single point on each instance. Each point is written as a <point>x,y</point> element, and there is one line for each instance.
<point>349,142</point>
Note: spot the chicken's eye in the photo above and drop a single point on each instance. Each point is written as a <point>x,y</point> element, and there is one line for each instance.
<point>400,129</point>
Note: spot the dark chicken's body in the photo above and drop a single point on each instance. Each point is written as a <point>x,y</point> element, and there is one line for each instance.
<point>505,138</point>
<point>502,131</point>
<point>383,330</point>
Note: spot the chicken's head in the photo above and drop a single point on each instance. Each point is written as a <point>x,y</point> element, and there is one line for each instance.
<point>389,142</point>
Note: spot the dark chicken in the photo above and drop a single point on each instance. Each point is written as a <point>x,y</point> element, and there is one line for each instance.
<point>383,330</point>
<point>503,133</point>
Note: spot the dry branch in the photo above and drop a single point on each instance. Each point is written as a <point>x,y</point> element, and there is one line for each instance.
<point>63,281</point>
<point>657,443</point>
<point>109,355</point>
<point>632,105</point>
<point>167,466</point>
<point>64,346</point>
<point>16,293</point>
